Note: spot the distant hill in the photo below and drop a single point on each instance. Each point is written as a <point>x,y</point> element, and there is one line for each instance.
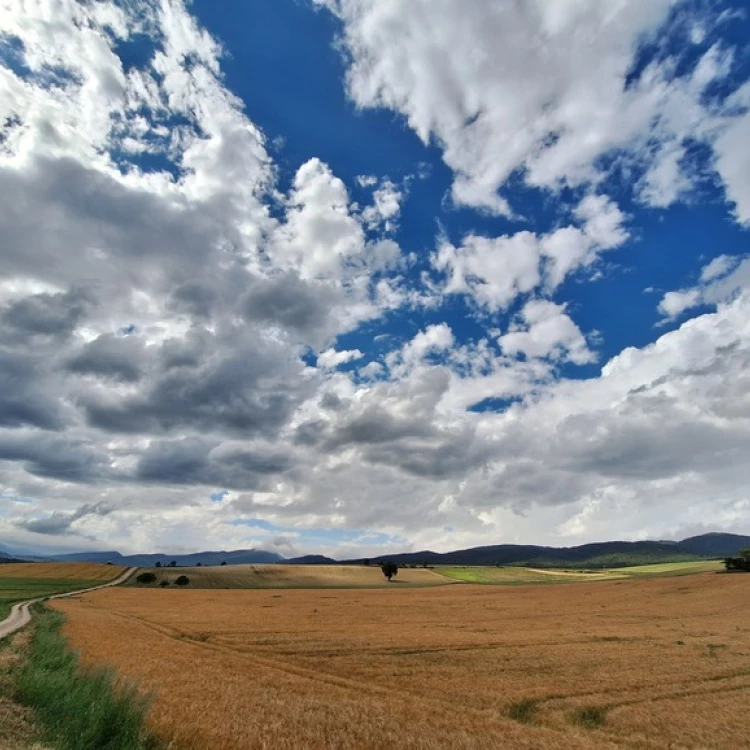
<point>4,558</point>
<point>598,555</point>
<point>715,545</point>
<point>234,557</point>
<point>311,560</point>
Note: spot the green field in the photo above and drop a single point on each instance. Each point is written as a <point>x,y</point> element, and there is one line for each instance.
<point>672,569</point>
<point>510,575</point>
<point>14,590</point>
<point>21,581</point>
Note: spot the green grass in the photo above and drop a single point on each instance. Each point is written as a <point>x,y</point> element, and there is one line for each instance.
<point>519,576</point>
<point>14,590</point>
<point>511,575</point>
<point>672,569</point>
<point>78,709</point>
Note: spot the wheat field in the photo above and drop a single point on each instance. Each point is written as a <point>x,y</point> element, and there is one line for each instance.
<point>295,576</point>
<point>641,663</point>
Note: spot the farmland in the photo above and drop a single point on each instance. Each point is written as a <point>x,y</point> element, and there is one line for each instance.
<point>512,575</point>
<point>647,662</point>
<point>19,581</point>
<point>296,576</point>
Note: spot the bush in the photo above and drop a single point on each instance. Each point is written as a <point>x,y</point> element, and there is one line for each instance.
<point>523,711</point>
<point>163,583</point>
<point>182,581</point>
<point>590,717</point>
<point>145,578</point>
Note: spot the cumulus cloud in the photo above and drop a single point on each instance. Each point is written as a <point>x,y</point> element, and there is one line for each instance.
<point>545,330</point>
<point>543,90</point>
<point>719,281</point>
<point>171,331</point>
<point>495,271</point>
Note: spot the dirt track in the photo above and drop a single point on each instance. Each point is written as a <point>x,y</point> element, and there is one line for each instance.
<point>20,613</point>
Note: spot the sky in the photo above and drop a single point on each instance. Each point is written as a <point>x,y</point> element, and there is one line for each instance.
<point>358,276</point>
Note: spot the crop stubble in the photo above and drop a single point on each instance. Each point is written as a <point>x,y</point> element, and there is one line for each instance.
<point>624,664</point>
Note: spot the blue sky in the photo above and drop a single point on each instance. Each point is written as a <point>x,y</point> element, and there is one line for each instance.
<point>342,277</point>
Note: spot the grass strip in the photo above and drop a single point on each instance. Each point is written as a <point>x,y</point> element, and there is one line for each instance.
<point>78,708</point>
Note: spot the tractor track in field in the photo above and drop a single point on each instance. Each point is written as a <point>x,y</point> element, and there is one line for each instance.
<point>249,653</point>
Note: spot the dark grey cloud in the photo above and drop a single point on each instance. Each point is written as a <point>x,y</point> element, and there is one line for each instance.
<point>302,307</point>
<point>109,356</point>
<point>46,314</point>
<point>244,387</point>
<point>196,461</point>
<point>194,298</point>
<point>26,398</point>
<point>56,457</point>
<point>59,523</point>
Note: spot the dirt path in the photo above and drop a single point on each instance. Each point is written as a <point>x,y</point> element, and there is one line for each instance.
<point>20,613</point>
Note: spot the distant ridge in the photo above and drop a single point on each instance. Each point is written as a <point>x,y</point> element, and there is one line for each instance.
<point>597,555</point>
<point>233,557</point>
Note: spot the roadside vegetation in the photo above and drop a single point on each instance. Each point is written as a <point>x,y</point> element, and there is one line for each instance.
<point>76,708</point>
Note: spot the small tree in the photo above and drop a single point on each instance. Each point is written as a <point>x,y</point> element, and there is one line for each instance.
<point>163,583</point>
<point>182,581</point>
<point>223,562</point>
<point>145,578</point>
<point>390,569</point>
<point>172,564</point>
<point>198,565</point>
<point>157,564</point>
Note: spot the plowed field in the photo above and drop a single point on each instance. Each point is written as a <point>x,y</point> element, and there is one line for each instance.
<point>644,663</point>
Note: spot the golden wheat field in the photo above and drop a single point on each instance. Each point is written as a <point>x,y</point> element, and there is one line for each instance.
<point>295,576</point>
<point>646,663</point>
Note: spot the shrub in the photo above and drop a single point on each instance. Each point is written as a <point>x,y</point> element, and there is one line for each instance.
<point>182,581</point>
<point>590,717</point>
<point>145,578</point>
<point>163,583</point>
<point>523,711</point>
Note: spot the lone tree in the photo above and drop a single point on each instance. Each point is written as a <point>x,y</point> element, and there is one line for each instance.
<point>157,564</point>
<point>146,578</point>
<point>223,562</point>
<point>389,569</point>
<point>172,564</point>
<point>182,581</point>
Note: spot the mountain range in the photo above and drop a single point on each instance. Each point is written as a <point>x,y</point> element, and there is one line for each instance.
<point>598,555</point>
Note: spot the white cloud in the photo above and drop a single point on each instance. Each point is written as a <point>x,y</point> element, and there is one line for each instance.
<point>720,280</point>
<point>544,90</point>
<point>546,331</point>
<point>494,271</point>
<point>331,359</point>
